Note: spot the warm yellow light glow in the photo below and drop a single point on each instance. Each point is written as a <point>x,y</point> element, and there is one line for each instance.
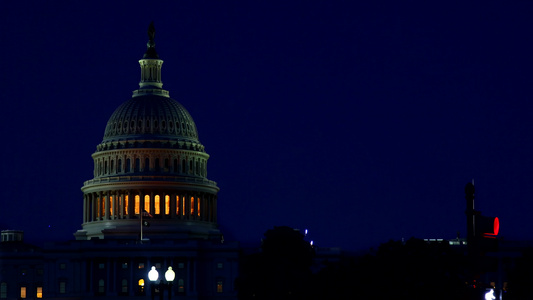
<point>111,205</point>
<point>192,206</point>
<point>167,204</point>
<point>23,292</point>
<point>178,205</point>
<point>126,204</point>
<point>137,204</point>
<point>219,287</point>
<point>198,211</point>
<point>157,208</point>
<point>147,203</point>
<point>39,292</point>
<point>102,207</point>
<point>141,282</point>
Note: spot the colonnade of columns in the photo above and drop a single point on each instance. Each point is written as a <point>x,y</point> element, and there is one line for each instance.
<point>128,204</point>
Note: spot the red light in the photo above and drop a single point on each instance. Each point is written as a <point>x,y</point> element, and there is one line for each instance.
<point>496,225</point>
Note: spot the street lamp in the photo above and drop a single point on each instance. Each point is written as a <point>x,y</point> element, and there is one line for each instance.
<point>169,276</point>
<point>153,275</point>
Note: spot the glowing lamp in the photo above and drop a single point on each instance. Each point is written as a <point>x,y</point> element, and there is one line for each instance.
<point>153,274</point>
<point>170,275</point>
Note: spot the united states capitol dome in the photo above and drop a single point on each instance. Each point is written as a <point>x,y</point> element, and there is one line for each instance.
<point>150,163</point>
<point>151,117</point>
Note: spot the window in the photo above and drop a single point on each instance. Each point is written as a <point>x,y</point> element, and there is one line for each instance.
<point>124,265</point>
<point>62,287</point>
<point>39,292</point>
<point>181,265</point>
<point>157,204</point>
<point>220,286</point>
<point>147,203</point>
<point>126,202</point>
<point>101,265</point>
<point>23,292</point>
<point>110,205</point>
<point>140,285</point>
<point>220,265</point>
<point>167,205</point>
<point>101,286</point>
<point>181,286</point>
<point>3,290</point>
<point>124,286</point>
<point>137,204</point>
<point>192,206</point>
<point>141,265</point>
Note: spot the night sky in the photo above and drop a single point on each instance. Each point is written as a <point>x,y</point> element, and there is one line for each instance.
<point>361,122</point>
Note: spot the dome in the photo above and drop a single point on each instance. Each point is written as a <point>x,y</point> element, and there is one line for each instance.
<point>151,117</point>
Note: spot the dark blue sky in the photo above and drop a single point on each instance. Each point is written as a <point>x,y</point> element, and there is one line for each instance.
<point>361,122</point>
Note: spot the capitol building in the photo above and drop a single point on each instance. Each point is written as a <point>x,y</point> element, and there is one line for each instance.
<point>149,207</point>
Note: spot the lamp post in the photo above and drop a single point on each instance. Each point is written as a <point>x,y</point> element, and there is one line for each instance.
<point>153,275</point>
<point>169,276</point>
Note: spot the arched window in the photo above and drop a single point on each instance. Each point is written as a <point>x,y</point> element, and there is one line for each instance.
<point>126,204</point>
<point>112,170</point>
<point>157,167</point>
<point>137,165</point>
<point>183,166</point>
<point>178,202</point>
<point>157,205</point>
<point>167,204</point>
<point>175,170</point>
<point>147,203</point>
<point>128,165</point>
<point>146,165</point>
<point>192,206</point>
<point>137,204</point>
<point>119,165</point>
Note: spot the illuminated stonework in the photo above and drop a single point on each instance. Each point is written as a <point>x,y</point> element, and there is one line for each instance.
<point>150,159</point>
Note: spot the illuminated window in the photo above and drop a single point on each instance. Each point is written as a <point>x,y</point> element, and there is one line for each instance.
<point>101,286</point>
<point>157,206</point>
<point>219,286</point>
<point>124,285</point>
<point>141,265</point>
<point>147,203</point>
<point>181,286</point>
<point>102,207</point>
<point>167,204</point>
<point>62,287</point>
<point>192,206</point>
<point>137,204</point>
<point>140,285</point>
<point>198,204</point>
<point>126,204</point>
<point>3,290</point>
<point>23,292</point>
<point>111,205</point>
<point>39,293</point>
<point>178,205</point>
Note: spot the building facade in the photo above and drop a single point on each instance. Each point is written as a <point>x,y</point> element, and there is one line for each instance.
<point>148,206</point>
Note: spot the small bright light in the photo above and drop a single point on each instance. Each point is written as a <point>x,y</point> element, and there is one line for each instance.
<point>311,243</point>
<point>170,275</point>
<point>490,295</point>
<point>153,274</point>
<point>305,232</point>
